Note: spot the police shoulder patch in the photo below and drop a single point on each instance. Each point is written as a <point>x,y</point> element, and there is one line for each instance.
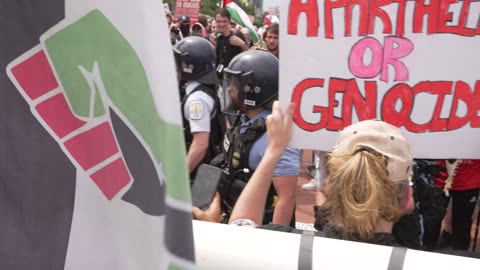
<point>196,110</point>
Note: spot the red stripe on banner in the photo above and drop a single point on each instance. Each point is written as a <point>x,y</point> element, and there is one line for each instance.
<point>112,178</point>
<point>35,75</point>
<point>93,146</point>
<point>58,116</point>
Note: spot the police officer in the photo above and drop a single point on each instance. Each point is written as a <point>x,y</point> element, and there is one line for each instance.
<point>250,87</point>
<point>195,61</point>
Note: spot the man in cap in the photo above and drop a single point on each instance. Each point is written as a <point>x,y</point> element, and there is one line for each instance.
<point>184,24</point>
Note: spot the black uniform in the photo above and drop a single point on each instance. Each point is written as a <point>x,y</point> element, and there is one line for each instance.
<point>226,52</point>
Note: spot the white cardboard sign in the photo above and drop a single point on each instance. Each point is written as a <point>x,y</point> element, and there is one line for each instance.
<point>414,64</point>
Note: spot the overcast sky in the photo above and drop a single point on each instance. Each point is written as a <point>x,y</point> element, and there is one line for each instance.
<point>270,3</point>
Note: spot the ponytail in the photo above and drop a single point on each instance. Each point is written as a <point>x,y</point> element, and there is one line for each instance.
<point>360,192</point>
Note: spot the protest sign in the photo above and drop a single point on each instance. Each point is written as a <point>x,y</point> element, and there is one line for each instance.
<point>188,7</point>
<point>413,64</point>
<point>95,176</point>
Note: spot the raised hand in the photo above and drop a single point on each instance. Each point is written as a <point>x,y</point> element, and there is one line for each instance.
<point>236,41</point>
<point>279,127</point>
<point>212,214</point>
<point>213,39</point>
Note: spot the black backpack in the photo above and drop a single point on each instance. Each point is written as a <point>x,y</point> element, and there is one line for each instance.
<point>217,126</point>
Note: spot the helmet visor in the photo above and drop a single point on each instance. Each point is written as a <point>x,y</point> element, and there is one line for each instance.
<point>233,94</point>
<point>178,63</point>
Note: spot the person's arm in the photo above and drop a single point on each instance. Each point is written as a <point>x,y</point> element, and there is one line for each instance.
<point>286,188</point>
<point>236,41</point>
<point>212,214</point>
<point>197,149</point>
<point>213,39</point>
<point>250,204</point>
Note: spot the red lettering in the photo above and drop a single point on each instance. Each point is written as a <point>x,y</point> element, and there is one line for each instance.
<point>396,107</point>
<point>475,121</point>
<point>441,89</point>
<point>422,9</point>
<point>329,5</point>
<point>445,16</point>
<point>410,125</point>
<point>400,26</point>
<point>478,27</point>
<point>389,114</point>
<point>297,99</point>
<point>462,93</point>
<point>310,8</point>
<point>366,108</point>
<point>377,12</point>
<point>461,29</point>
<point>349,6</point>
<point>335,86</point>
<point>363,24</point>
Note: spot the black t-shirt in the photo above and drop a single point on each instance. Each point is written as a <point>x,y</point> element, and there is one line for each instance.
<point>226,52</point>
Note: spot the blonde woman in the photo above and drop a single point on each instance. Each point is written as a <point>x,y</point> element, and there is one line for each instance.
<point>368,187</point>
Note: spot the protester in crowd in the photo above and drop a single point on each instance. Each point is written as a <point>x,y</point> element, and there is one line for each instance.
<point>461,182</point>
<point>198,30</point>
<point>261,31</point>
<point>169,18</point>
<point>251,85</point>
<point>419,229</point>
<point>271,40</point>
<point>213,26</point>
<point>184,25</point>
<point>174,32</point>
<point>226,42</point>
<point>195,60</point>
<point>248,209</point>
<point>246,34</point>
<point>203,20</point>
<point>368,186</point>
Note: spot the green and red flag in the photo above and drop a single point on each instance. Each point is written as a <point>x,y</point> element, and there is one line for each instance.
<point>93,170</point>
<point>240,17</point>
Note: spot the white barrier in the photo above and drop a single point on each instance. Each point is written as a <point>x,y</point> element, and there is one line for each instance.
<point>220,246</point>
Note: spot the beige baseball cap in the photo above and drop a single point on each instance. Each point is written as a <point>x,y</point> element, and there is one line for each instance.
<point>382,137</point>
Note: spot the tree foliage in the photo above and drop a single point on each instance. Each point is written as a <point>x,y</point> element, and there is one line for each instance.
<point>209,7</point>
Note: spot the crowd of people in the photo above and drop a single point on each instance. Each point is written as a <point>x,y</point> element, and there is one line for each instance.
<point>374,190</point>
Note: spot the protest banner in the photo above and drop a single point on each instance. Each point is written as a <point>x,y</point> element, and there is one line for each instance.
<point>413,64</point>
<point>188,7</point>
<point>93,169</point>
<point>285,251</point>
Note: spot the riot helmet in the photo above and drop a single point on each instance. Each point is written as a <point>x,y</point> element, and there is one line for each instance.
<point>195,60</point>
<point>250,81</point>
